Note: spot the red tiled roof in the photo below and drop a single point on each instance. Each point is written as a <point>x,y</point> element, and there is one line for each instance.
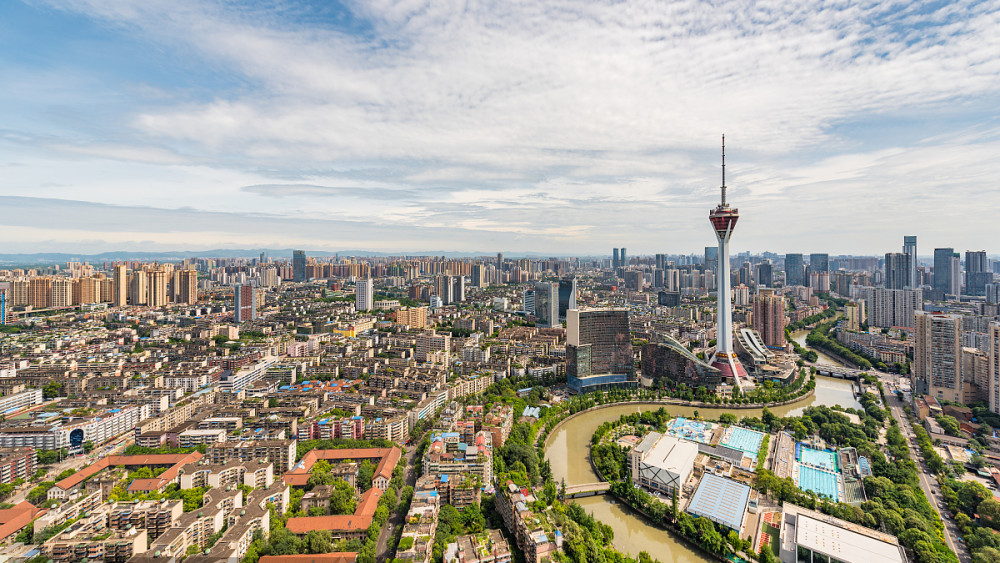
<point>12,520</point>
<point>336,557</point>
<point>176,461</point>
<point>362,518</point>
<point>388,458</point>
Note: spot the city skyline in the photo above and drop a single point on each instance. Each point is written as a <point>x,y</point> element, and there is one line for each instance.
<point>184,125</point>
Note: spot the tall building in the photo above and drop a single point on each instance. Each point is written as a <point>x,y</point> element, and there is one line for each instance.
<point>723,219</point>
<point>616,260</point>
<point>120,296</point>
<point>711,262</point>
<point>244,303</point>
<point>61,293</point>
<point>364,294</point>
<point>633,280</point>
<point>937,355</point>
<point>623,257</point>
<point>479,276</point>
<point>819,262</point>
<point>40,292</point>
<point>944,277</point>
<point>661,261</point>
<point>765,274</point>
<point>499,262</point>
<point>769,318</point>
<point>299,265</point>
<point>889,308</point>
<point>897,271</point>
<point>156,285</point>
<point>444,288</point>
<point>598,349</point>
<point>138,294</point>
<point>977,273</point>
<point>993,363</point>
<point>3,306</point>
<point>910,250</point>
<point>186,282</point>
<point>546,305</point>
<point>458,288</point>
<point>529,301</point>
<point>567,296</point>
<point>795,271</point>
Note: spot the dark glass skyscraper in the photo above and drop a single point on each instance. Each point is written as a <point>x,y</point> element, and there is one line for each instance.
<point>299,265</point>
<point>567,296</point>
<point>897,270</point>
<point>795,273</point>
<point>818,263</point>
<point>943,276</point>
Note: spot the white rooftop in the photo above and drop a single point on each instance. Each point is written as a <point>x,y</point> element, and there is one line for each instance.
<point>844,544</point>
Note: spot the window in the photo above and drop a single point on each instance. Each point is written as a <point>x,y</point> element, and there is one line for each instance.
<point>804,555</point>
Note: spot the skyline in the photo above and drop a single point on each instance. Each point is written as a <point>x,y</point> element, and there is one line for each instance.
<point>559,128</point>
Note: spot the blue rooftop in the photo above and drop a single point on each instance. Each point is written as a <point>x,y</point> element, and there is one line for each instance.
<point>721,500</point>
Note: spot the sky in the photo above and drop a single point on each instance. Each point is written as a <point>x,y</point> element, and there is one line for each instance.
<point>558,127</point>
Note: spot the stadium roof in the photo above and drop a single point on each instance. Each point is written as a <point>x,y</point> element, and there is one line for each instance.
<point>721,500</point>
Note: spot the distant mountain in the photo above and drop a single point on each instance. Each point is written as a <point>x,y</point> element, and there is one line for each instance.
<point>48,258</point>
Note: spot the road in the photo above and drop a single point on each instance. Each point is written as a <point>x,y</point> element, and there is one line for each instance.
<point>396,518</point>
<point>951,531</point>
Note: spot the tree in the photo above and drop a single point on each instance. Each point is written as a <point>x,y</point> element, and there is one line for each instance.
<point>52,390</point>
<point>342,499</point>
<point>318,541</point>
<point>88,447</point>
<point>366,472</point>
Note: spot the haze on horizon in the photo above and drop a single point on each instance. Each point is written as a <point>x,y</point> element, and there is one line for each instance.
<point>553,127</point>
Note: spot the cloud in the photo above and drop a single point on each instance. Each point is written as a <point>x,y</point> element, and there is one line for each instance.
<point>572,125</point>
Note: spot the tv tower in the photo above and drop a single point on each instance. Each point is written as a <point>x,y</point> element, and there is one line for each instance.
<point>723,220</point>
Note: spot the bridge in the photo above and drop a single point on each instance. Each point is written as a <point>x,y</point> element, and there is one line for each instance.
<point>838,371</point>
<point>587,489</point>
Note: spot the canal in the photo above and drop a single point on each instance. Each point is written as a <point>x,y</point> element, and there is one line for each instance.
<point>568,449</point>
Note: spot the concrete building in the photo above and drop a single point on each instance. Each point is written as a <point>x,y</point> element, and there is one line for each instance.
<point>662,463</point>
<point>364,294</point>
<point>945,264</point>
<point>795,272</point>
<point>910,250</point>
<point>769,317</point>
<point>808,536</point>
<point>244,303</point>
<point>889,308</point>
<point>546,305</point>
<point>567,296</point>
<point>598,349</point>
<point>298,265</point>
<point>937,355</point>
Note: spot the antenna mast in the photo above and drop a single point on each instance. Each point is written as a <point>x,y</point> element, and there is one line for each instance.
<point>723,170</point>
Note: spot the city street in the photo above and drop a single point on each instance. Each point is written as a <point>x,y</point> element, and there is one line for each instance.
<point>929,484</point>
<point>396,519</point>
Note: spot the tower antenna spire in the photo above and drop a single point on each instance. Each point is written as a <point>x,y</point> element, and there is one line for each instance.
<point>723,170</point>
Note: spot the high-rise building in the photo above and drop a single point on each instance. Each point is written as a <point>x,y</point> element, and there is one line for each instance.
<point>3,305</point>
<point>499,262</point>
<point>138,294</point>
<point>299,265</point>
<point>977,272</point>
<point>623,257</point>
<point>723,219</point>
<point>944,277</point>
<point>819,262</point>
<point>855,313</point>
<point>765,274</point>
<point>889,308</point>
<point>567,296</point>
<point>479,276</point>
<point>711,260</point>
<point>244,303</point>
<point>187,286</point>
<point>937,355</point>
<point>546,304</point>
<point>910,250</point>
<point>598,349</point>
<point>993,363</point>
<point>633,280</point>
<point>121,285</point>
<point>795,272</point>
<point>364,294</point>
<point>769,317</point>
<point>156,285</point>
<point>661,261</point>
<point>529,301</point>
<point>616,260</point>
<point>444,287</point>
<point>61,293</point>
<point>458,288</point>
<point>40,292</point>
<point>897,271</point>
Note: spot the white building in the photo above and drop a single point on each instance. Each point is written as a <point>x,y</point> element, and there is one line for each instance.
<point>811,537</point>
<point>364,295</point>
<point>661,463</point>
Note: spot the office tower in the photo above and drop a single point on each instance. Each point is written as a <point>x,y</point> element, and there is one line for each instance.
<point>263,257</point>
<point>661,261</point>
<point>943,271</point>
<point>299,265</point>
<point>546,304</point>
<point>977,273</point>
<point>819,263</point>
<point>897,271</point>
<point>633,280</point>
<point>993,363</point>
<point>711,258</point>
<point>615,260</point>
<point>156,285</point>
<point>567,296</point>
<point>795,272</point>
<point>499,262</point>
<point>458,289</point>
<point>622,257</point>
<point>769,317</point>
<point>765,274</point>
<point>137,292</point>
<point>937,353</point>
<point>479,276</point>
<point>598,349</point>
<point>364,294</point>
<point>723,219</point>
<point>120,298</point>
<point>187,286</point>
<point>529,302</point>
<point>658,278</point>
<point>889,308</point>
<point>910,250</point>
<point>244,303</point>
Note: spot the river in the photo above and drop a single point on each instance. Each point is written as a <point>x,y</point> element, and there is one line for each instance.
<point>568,449</point>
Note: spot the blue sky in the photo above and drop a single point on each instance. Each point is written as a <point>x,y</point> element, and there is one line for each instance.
<point>555,127</point>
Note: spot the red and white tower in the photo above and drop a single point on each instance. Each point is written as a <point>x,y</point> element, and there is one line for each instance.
<point>723,220</point>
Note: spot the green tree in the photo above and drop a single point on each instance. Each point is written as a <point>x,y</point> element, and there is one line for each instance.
<point>366,472</point>
<point>88,447</point>
<point>318,541</point>
<point>342,500</point>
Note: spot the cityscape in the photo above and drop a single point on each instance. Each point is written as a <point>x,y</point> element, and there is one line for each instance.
<point>414,282</point>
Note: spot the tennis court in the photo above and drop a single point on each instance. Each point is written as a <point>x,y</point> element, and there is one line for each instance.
<point>744,439</point>
<point>819,458</point>
<point>823,483</point>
